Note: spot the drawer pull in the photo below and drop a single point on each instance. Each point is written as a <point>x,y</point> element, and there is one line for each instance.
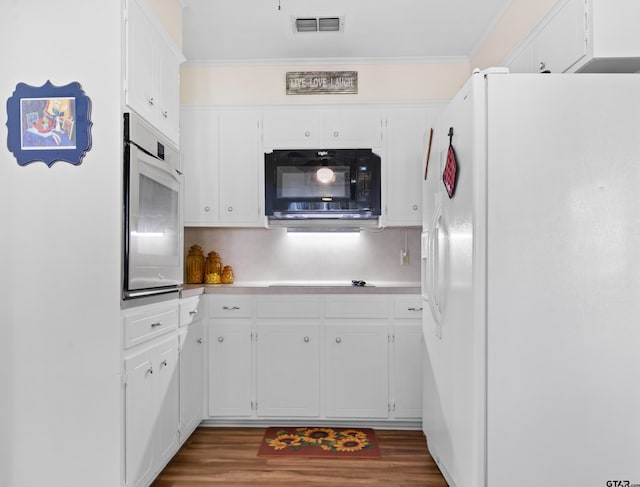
<point>156,324</point>
<point>338,340</point>
<point>163,363</point>
<point>194,312</point>
<point>221,339</point>
<point>199,340</point>
<point>414,309</point>
<point>306,339</point>
<point>150,370</point>
<point>230,308</point>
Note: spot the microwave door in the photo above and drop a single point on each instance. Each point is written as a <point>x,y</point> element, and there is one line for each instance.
<point>154,232</point>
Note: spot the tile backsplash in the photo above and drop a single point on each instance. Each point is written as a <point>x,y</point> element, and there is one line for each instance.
<point>258,254</point>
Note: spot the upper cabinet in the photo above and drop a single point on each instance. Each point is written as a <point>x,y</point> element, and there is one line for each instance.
<point>294,128</point>
<point>221,167</point>
<point>582,36</point>
<point>152,75</point>
<point>404,168</point>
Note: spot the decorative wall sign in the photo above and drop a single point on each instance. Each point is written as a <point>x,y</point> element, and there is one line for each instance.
<point>450,174</point>
<point>322,82</point>
<point>48,123</point>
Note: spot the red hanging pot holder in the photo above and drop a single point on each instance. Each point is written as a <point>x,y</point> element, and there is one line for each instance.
<point>450,174</point>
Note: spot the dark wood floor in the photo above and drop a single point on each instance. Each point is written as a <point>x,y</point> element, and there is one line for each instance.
<point>227,456</point>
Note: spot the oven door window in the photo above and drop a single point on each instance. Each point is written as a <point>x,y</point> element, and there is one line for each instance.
<point>154,225</point>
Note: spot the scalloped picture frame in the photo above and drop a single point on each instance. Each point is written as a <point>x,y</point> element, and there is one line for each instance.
<point>49,123</point>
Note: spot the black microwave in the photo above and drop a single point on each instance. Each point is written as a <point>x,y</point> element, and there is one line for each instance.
<point>316,184</point>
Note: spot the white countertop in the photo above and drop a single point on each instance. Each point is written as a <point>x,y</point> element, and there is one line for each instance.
<point>305,287</point>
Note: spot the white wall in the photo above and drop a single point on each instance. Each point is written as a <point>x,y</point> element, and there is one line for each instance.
<point>60,259</point>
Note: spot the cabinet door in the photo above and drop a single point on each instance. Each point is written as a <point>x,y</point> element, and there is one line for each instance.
<point>353,128</point>
<point>238,173</point>
<point>288,374</point>
<point>168,89</point>
<point>292,129</point>
<point>404,168</point>
<point>139,417</point>
<point>191,378</point>
<point>356,367</point>
<point>562,41</point>
<point>407,369</point>
<point>230,378</point>
<point>167,400</point>
<point>200,159</point>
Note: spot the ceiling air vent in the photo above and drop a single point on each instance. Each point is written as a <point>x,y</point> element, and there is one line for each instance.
<point>329,23</point>
<point>318,24</point>
<point>307,25</point>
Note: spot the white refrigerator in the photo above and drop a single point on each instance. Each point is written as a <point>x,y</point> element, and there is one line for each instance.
<point>531,271</point>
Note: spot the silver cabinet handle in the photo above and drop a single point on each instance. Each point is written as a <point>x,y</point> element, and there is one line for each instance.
<point>229,208</point>
<point>150,370</point>
<point>165,114</point>
<point>336,134</point>
<point>157,324</point>
<point>199,340</point>
<point>415,207</point>
<point>542,65</point>
<point>306,339</point>
<point>221,339</point>
<point>163,363</point>
<point>151,101</point>
<point>230,308</point>
<point>206,208</point>
<point>307,134</point>
<point>338,340</point>
<point>194,312</point>
<point>414,309</point>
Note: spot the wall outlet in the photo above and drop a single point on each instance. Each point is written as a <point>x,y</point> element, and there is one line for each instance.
<point>404,257</point>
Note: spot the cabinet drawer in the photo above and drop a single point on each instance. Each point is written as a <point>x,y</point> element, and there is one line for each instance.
<point>147,322</point>
<point>188,310</point>
<point>407,307</point>
<point>287,306</point>
<point>357,306</point>
<point>229,306</point>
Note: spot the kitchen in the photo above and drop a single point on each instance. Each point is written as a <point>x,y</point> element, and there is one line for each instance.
<point>61,353</point>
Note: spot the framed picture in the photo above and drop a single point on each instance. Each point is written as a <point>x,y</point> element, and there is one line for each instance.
<point>49,123</point>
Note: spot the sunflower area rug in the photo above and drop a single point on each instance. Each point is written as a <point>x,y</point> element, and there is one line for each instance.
<point>319,443</point>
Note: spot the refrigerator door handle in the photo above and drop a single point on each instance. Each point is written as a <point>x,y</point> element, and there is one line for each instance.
<point>433,268</point>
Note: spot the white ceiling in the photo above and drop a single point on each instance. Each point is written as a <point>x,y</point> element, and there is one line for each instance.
<point>237,31</point>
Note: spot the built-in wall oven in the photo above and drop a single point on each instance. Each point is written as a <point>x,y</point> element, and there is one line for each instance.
<point>152,246</point>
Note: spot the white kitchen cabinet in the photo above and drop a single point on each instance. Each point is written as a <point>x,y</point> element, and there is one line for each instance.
<point>357,369</point>
<point>582,36</point>
<point>191,365</point>
<point>152,76</point>
<point>151,410</point>
<point>230,367</point>
<point>221,167</point>
<point>314,356</point>
<point>288,373</point>
<point>562,41</point>
<point>407,357</point>
<point>304,128</point>
<point>199,149</point>
<point>407,140</point>
<point>240,194</point>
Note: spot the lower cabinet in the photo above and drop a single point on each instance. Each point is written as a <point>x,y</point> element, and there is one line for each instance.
<point>151,410</point>
<point>288,372</point>
<point>314,356</point>
<point>357,369</point>
<point>230,368</point>
<point>191,378</point>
